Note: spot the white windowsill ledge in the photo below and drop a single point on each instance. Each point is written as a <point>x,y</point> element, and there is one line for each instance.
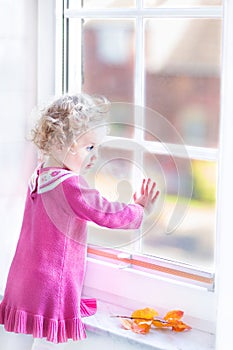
<point>158,339</point>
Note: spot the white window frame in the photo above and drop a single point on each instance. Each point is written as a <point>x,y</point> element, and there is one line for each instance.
<point>207,309</point>
<point>73,75</point>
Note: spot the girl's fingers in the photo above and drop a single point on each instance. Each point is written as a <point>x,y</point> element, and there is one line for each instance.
<point>142,187</point>
<point>155,196</point>
<point>152,189</point>
<point>135,197</point>
<point>147,187</point>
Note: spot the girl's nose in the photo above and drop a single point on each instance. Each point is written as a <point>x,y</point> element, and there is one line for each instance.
<point>94,156</point>
<point>95,153</point>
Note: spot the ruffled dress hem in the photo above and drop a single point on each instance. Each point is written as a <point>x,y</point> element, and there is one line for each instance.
<point>54,330</point>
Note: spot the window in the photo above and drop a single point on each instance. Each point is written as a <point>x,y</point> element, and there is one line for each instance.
<point>168,62</point>
<point>161,68</point>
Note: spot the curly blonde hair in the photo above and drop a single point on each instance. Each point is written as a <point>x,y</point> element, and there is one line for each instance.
<point>66,118</point>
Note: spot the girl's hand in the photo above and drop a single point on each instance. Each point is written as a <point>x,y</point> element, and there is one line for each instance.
<point>148,196</point>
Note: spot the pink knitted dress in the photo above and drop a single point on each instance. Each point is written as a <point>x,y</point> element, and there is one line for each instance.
<point>43,291</point>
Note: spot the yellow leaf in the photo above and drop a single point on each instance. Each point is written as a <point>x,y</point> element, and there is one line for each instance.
<point>146,314</point>
<point>160,324</point>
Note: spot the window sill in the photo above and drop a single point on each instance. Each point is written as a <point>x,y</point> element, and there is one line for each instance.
<point>123,286</point>
<point>103,324</point>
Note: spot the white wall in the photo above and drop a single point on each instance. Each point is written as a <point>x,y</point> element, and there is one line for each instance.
<point>18,65</point>
<point>18,95</point>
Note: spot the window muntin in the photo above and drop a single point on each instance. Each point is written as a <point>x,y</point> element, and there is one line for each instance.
<point>181,3</point>
<point>140,80</point>
<point>125,4</point>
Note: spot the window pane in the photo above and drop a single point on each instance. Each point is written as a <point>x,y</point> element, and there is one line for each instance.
<point>108,61</point>
<point>181,3</point>
<point>112,176</point>
<point>121,120</point>
<point>108,3</point>
<point>191,223</point>
<point>96,4</point>
<point>183,77</point>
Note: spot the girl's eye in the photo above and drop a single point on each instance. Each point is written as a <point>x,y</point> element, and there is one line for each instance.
<point>90,148</point>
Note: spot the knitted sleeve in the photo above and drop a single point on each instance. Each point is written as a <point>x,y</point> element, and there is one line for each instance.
<point>88,204</point>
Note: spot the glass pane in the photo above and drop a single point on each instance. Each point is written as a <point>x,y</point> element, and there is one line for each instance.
<point>121,120</point>
<point>183,227</point>
<point>108,58</point>
<point>112,176</point>
<point>108,3</point>
<point>101,4</point>
<point>182,68</point>
<point>181,3</point>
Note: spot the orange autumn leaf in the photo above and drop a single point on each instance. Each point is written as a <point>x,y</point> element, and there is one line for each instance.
<point>160,324</point>
<point>141,327</point>
<point>146,314</point>
<point>126,324</point>
<point>137,326</point>
<point>179,326</point>
<point>142,320</point>
<point>174,315</point>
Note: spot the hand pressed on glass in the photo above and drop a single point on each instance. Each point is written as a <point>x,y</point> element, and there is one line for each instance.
<point>148,196</point>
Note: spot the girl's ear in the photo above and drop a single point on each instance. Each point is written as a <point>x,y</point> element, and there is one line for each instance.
<point>74,148</point>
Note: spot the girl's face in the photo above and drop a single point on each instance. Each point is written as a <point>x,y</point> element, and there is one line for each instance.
<point>84,152</point>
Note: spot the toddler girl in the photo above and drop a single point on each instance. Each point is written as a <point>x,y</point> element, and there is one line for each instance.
<point>44,285</point>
